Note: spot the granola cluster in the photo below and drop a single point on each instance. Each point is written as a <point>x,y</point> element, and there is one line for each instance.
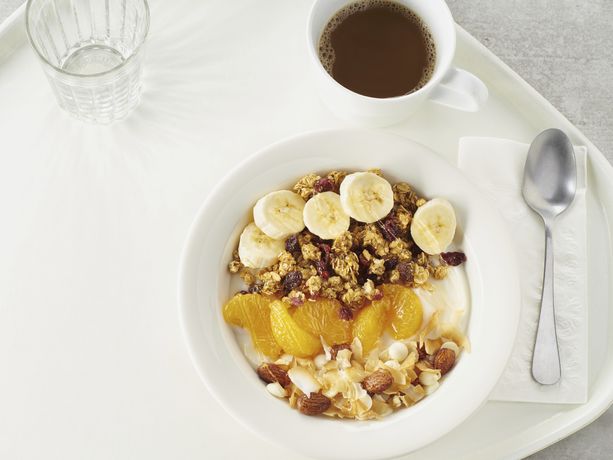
<point>350,267</point>
<point>345,382</point>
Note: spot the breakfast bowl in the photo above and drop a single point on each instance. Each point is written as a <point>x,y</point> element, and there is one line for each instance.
<point>205,285</point>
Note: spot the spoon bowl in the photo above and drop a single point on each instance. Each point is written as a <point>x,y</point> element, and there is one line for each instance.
<point>550,174</point>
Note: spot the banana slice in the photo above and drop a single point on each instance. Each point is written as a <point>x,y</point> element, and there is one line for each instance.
<point>258,250</point>
<point>279,214</point>
<point>433,226</point>
<point>324,216</point>
<point>366,197</point>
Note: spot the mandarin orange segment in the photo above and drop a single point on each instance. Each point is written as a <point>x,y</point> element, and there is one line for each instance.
<point>406,311</point>
<point>252,312</point>
<point>369,323</point>
<point>321,318</point>
<point>289,335</point>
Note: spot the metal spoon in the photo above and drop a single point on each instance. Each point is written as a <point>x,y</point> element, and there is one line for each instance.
<point>550,182</point>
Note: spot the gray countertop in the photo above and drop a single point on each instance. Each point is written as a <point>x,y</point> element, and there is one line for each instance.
<point>564,48</point>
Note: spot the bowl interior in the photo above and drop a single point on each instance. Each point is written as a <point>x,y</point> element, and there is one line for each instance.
<point>204,286</point>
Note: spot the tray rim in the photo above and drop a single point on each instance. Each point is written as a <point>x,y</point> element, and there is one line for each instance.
<point>11,37</point>
<point>597,403</point>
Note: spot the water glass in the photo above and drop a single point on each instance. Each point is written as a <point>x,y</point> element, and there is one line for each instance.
<point>92,53</point>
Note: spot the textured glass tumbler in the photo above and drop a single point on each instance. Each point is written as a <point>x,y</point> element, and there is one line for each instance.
<point>92,53</point>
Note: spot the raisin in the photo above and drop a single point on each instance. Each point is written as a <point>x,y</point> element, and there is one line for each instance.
<point>362,276</point>
<point>292,280</point>
<point>453,258</point>
<point>391,263</point>
<point>416,251</point>
<point>292,245</point>
<point>323,185</point>
<point>254,288</point>
<point>406,274</point>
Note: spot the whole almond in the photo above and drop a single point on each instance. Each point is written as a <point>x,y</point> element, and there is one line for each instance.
<point>334,349</point>
<point>314,404</point>
<point>378,381</point>
<point>272,373</point>
<point>444,360</point>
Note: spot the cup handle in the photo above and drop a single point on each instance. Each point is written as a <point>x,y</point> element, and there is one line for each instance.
<point>460,90</point>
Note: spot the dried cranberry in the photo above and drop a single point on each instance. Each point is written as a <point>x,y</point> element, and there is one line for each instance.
<point>378,295</point>
<point>322,269</point>
<point>292,245</point>
<point>345,313</point>
<point>453,258</point>
<point>406,274</point>
<point>391,263</point>
<point>292,280</point>
<point>323,185</point>
<point>325,252</point>
<point>389,228</point>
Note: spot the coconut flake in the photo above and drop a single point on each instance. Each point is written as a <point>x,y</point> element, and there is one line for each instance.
<point>303,379</point>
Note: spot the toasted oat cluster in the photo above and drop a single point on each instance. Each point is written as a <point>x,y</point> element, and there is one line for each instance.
<point>350,267</point>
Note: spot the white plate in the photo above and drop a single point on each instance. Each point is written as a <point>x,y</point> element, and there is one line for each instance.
<point>204,286</point>
<point>101,216</point>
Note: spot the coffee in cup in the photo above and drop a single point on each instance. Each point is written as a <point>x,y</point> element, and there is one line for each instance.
<point>378,48</point>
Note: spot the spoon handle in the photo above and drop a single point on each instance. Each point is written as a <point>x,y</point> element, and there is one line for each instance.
<point>546,357</point>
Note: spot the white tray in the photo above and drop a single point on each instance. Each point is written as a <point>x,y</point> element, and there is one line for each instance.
<point>98,216</point>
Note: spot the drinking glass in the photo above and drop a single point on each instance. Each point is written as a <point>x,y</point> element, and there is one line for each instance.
<point>92,53</point>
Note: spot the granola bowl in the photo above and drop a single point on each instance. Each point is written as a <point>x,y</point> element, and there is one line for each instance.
<point>403,376</point>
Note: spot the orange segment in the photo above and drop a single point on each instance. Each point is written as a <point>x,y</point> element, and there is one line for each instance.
<point>406,312</point>
<point>321,318</point>
<point>369,323</point>
<point>251,312</point>
<point>291,337</point>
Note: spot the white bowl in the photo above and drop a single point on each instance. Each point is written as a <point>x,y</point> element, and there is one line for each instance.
<point>204,286</point>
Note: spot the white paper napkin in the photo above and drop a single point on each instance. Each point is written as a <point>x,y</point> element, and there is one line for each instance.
<point>496,166</point>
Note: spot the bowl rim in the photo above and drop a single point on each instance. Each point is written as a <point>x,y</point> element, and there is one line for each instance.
<point>190,255</point>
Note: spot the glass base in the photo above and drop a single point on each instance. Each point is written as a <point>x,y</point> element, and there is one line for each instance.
<point>92,59</point>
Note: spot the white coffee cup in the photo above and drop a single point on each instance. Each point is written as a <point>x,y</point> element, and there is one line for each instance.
<point>449,85</point>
